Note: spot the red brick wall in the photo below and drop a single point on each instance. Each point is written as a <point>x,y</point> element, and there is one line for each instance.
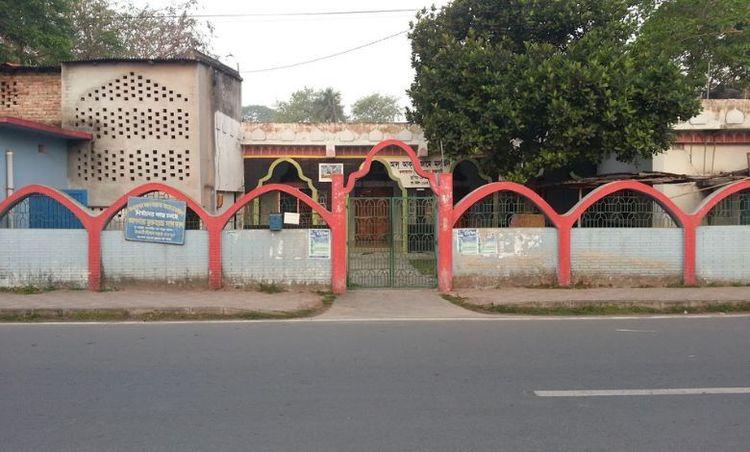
<point>33,96</point>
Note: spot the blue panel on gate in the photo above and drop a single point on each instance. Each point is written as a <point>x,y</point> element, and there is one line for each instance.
<point>46,213</point>
<point>275,221</point>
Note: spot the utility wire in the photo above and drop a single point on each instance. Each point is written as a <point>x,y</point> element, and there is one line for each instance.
<point>314,60</point>
<point>293,14</point>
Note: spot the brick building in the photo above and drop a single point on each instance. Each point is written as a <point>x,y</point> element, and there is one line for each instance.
<point>175,121</point>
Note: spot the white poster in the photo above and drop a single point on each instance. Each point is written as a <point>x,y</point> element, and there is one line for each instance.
<point>467,241</point>
<point>291,218</point>
<point>403,169</point>
<point>319,243</point>
<point>488,244</point>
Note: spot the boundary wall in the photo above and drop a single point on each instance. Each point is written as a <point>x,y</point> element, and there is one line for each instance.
<point>721,253</point>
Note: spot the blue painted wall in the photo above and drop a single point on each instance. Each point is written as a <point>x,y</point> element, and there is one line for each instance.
<point>31,166</point>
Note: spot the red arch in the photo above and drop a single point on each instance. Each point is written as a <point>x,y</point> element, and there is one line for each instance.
<point>488,189</point>
<point>431,177</point>
<point>69,203</point>
<point>121,202</point>
<point>704,208</point>
<point>613,187</point>
<point>224,218</point>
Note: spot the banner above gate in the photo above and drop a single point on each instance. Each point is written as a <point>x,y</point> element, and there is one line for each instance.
<point>402,168</point>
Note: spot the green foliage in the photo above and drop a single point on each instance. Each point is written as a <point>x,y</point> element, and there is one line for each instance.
<point>327,106</point>
<point>708,39</point>
<point>309,105</point>
<point>35,31</point>
<point>529,85</point>
<point>376,108</point>
<point>258,113</point>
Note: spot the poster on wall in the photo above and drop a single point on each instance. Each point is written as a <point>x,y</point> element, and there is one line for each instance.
<point>319,243</point>
<point>468,241</point>
<point>155,220</point>
<point>325,170</point>
<point>488,245</point>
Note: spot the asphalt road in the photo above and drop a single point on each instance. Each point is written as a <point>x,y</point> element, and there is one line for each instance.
<point>400,386</point>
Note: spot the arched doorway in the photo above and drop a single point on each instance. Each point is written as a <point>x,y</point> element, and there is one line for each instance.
<point>391,228</point>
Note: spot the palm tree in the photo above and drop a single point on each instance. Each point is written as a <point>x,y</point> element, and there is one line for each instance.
<point>327,106</point>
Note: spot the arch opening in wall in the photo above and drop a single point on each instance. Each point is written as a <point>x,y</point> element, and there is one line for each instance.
<point>629,236</point>
<point>43,240</point>
<point>503,209</point>
<point>255,215</point>
<point>379,182</point>
<point>734,210</point>
<point>38,211</point>
<point>626,209</point>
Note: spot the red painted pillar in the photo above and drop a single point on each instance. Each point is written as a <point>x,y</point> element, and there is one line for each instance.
<point>445,232</point>
<point>214,254</point>
<point>95,256</point>
<point>563,253</point>
<point>338,235</point>
<point>689,252</point>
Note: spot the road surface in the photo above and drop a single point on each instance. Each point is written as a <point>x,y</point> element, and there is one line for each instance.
<point>400,386</point>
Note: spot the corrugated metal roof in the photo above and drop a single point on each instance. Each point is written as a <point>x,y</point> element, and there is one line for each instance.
<point>45,129</point>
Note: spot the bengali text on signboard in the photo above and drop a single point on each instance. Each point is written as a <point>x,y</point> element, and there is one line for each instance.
<point>155,220</point>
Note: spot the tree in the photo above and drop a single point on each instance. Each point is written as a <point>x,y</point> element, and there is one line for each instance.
<point>164,33</point>
<point>528,85</point>
<point>708,39</point>
<point>97,30</point>
<point>309,105</point>
<point>35,32</point>
<point>327,106</point>
<point>299,107</point>
<point>376,108</point>
<point>258,113</point>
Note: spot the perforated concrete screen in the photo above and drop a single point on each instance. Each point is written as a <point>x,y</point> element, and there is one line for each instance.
<point>141,132</point>
<point>8,93</point>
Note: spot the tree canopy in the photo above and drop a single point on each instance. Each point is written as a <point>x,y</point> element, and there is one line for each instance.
<point>309,105</point>
<point>258,113</point>
<point>708,39</point>
<point>376,108</point>
<point>529,85</point>
<point>37,32</point>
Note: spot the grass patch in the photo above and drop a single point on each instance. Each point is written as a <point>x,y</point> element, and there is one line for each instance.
<point>601,308</point>
<point>26,290</point>
<point>270,288</point>
<point>425,267</point>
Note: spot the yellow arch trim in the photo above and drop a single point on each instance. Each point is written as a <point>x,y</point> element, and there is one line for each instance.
<point>269,175</point>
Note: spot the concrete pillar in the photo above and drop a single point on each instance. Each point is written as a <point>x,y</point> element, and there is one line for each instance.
<point>338,233</point>
<point>445,232</point>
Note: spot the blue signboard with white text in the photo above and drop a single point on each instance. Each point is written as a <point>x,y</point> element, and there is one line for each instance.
<point>155,220</point>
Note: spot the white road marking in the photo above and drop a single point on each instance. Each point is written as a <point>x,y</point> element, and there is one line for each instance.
<point>635,331</point>
<point>488,318</point>
<point>641,392</point>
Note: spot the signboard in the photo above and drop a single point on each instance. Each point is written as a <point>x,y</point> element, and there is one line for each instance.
<point>319,243</point>
<point>326,169</point>
<point>467,241</point>
<point>403,169</point>
<point>155,220</point>
<point>291,218</point>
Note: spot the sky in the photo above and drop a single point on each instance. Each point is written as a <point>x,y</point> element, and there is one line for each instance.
<point>261,42</point>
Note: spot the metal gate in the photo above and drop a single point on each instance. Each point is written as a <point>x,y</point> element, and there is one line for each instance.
<point>392,242</point>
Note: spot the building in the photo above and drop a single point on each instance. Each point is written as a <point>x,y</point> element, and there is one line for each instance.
<point>35,153</point>
<point>302,155</point>
<point>710,150</point>
<point>175,121</point>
